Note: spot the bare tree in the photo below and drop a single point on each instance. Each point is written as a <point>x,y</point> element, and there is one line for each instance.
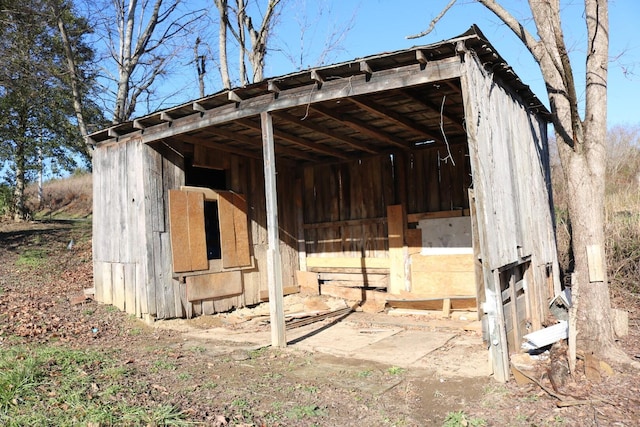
<point>582,150</point>
<point>252,41</point>
<point>142,38</point>
<point>333,36</point>
<point>223,11</point>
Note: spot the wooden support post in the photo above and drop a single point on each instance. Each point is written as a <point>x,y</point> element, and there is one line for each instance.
<point>274,264</point>
<point>395,224</point>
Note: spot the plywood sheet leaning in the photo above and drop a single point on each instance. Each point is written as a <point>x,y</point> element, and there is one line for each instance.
<point>442,276</point>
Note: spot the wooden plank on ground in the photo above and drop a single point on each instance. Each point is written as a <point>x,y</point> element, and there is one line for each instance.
<point>287,290</point>
<point>214,285</point>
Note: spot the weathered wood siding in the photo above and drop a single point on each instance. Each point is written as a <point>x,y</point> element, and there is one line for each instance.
<point>118,227</point>
<point>509,160</point>
<point>132,248</point>
<point>345,204</point>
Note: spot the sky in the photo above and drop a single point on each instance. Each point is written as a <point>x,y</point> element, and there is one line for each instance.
<point>378,26</point>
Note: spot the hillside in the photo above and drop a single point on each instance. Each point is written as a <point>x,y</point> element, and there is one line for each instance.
<point>62,198</point>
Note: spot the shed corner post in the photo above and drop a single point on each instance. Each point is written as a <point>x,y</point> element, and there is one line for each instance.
<point>274,265</point>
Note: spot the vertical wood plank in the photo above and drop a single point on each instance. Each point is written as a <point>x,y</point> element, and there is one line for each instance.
<point>107,283</point>
<point>395,226</point>
<point>118,285</point>
<point>274,267</point>
<point>130,287</point>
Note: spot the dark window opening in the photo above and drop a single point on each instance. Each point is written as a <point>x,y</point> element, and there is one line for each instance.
<point>214,179</point>
<point>212,230</point>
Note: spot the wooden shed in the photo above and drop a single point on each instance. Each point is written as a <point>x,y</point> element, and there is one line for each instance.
<point>414,177</point>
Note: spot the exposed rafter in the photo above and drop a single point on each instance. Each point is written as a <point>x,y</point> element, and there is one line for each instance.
<point>318,148</point>
<point>428,104</point>
<point>308,124</point>
<point>388,114</point>
<point>360,126</point>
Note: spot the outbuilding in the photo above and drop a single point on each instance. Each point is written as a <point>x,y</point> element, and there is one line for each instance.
<point>414,178</point>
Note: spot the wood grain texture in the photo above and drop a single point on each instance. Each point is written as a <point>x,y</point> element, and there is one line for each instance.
<point>215,285</point>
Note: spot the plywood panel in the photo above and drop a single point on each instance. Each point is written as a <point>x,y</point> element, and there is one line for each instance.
<point>215,285</point>
<point>188,239</point>
<point>197,235</point>
<point>442,275</point>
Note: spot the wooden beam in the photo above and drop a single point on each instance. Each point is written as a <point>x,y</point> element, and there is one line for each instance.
<point>379,110</point>
<point>319,148</point>
<point>316,128</point>
<point>360,126</point>
<point>112,133</point>
<point>196,106</point>
<point>396,78</point>
<point>272,86</point>
<point>235,136</point>
<point>165,117</point>
<point>456,121</point>
<point>274,262</point>
<point>363,263</point>
<point>416,217</point>
<point>421,57</point>
<point>317,77</point>
<point>366,68</point>
<point>234,97</point>
<point>138,125</point>
<point>222,147</point>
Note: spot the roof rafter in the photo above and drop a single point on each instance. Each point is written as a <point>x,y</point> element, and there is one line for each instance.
<point>361,126</point>
<point>379,110</point>
<point>319,148</point>
<point>316,128</point>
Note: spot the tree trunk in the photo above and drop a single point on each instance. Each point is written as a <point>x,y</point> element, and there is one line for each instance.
<point>222,42</point>
<point>74,80</point>
<point>20,209</point>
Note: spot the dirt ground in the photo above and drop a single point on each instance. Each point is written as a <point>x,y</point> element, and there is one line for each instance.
<point>218,382</point>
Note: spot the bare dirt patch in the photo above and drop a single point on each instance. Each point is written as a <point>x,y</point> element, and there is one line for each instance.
<point>220,382</point>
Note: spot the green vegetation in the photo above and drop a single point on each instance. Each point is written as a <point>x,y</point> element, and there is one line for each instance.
<point>305,411</point>
<point>460,419</point>
<point>55,386</point>
<point>395,370</point>
<point>32,258</point>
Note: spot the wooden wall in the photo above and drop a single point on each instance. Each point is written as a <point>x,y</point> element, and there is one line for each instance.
<point>345,204</point>
<point>132,248</point>
<point>509,159</point>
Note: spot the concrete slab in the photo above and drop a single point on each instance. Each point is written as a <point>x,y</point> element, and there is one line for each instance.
<point>343,340</point>
<point>405,348</point>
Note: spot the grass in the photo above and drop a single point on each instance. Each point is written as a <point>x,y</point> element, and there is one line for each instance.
<point>32,258</point>
<point>305,411</point>
<point>460,419</point>
<point>43,385</point>
<point>395,370</point>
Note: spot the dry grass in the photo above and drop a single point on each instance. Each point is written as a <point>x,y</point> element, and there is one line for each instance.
<point>622,215</point>
<point>69,197</point>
